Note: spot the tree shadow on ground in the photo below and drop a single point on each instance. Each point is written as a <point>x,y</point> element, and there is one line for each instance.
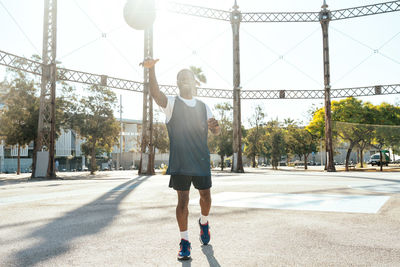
<point>54,238</point>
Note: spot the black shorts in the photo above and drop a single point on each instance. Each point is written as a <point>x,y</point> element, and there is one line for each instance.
<point>183,182</point>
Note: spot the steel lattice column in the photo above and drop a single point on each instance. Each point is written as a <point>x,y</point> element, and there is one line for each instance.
<point>147,153</point>
<point>237,165</point>
<point>325,17</point>
<point>44,145</point>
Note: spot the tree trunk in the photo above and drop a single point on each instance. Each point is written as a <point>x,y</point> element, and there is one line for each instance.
<point>380,160</point>
<point>93,166</point>
<point>19,160</point>
<point>362,158</point>
<point>253,159</point>
<point>305,161</point>
<point>222,162</point>
<point>348,156</point>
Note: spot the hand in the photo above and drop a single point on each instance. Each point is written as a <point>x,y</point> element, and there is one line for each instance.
<point>213,125</point>
<point>148,63</point>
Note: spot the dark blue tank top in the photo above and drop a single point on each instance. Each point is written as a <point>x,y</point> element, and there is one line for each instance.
<point>188,131</point>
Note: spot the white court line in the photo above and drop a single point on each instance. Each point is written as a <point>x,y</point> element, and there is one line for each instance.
<point>310,202</point>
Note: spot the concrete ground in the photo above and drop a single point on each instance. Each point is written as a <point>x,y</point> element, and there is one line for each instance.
<point>121,219</point>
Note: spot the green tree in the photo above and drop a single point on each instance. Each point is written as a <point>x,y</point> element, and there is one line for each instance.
<point>299,141</point>
<point>95,122</point>
<point>254,140</point>
<point>160,134</point>
<point>354,114</point>
<point>199,76</point>
<point>365,139</point>
<point>386,134</point>
<point>275,142</point>
<point>222,143</point>
<point>21,112</point>
<point>349,117</point>
<point>18,121</point>
<point>160,138</point>
<point>360,125</point>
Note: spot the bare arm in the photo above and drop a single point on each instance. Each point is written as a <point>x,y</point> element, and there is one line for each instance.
<point>155,92</point>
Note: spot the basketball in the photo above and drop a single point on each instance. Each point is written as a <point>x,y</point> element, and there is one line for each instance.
<point>139,14</point>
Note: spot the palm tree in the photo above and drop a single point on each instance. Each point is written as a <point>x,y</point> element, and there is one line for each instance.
<point>199,76</point>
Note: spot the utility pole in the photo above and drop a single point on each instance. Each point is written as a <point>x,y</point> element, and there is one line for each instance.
<point>236,18</point>
<point>147,152</point>
<point>325,17</point>
<point>43,156</point>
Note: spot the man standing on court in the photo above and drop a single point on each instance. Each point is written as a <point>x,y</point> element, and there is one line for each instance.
<point>188,121</point>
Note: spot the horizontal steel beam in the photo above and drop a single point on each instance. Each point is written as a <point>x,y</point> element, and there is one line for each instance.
<point>34,67</point>
<point>96,79</point>
<point>280,17</point>
<point>285,16</point>
<point>198,11</point>
<point>20,63</point>
<point>362,11</point>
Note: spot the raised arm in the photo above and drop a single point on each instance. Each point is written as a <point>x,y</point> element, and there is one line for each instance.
<point>155,92</point>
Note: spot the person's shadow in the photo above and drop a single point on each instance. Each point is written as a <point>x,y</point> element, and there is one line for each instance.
<point>209,252</point>
<point>56,237</point>
<point>186,263</point>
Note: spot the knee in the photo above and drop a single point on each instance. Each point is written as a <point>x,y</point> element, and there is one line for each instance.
<point>205,196</point>
<point>183,203</point>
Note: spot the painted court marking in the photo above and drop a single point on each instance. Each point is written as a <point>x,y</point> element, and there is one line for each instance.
<point>310,202</point>
<point>382,188</point>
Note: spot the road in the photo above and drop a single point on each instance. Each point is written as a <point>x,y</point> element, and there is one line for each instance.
<point>260,218</point>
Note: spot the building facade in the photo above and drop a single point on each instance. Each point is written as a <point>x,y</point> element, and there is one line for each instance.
<point>68,154</point>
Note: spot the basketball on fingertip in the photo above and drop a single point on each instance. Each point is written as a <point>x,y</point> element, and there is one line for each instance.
<point>139,14</point>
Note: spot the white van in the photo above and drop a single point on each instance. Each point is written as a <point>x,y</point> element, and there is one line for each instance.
<point>375,159</point>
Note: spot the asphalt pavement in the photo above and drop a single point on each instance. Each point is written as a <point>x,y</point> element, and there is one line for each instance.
<point>259,218</point>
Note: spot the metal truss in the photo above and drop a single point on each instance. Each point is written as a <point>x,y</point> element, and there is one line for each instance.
<point>20,63</point>
<point>96,79</point>
<point>365,10</point>
<point>47,111</point>
<point>285,16</point>
<point>280,17</point>
<point>319,94</point>
<point>199,11</point>
<point>367,91</point>
<point>34,67</point>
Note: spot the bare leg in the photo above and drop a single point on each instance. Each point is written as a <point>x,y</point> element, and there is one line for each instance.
<point>182,210</point>
<point>205,201</point>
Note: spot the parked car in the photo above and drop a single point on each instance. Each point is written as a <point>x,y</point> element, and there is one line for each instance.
<point>375,159</point>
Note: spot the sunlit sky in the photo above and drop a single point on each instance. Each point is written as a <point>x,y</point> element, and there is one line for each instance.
<point>364,51</point>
